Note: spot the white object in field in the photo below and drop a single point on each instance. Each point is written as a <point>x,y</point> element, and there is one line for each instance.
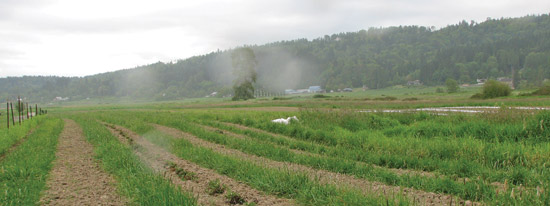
<point>284,121</point>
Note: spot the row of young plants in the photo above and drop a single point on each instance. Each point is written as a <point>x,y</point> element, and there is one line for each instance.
<point>135,180</point>
<point>23,171</point>
<point>475,189</point>
<point>280,182</point>
<point>523,163</point>
<point>9,138</point>
<point>518,175</point>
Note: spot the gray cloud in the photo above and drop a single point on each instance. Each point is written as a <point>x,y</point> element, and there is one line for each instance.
<point>204,26</point>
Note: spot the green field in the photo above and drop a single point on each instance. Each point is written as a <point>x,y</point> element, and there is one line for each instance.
<point>334,154</point>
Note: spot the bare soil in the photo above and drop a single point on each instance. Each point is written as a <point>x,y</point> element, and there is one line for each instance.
<point>158,158</point>
<point>326,177</point>
<point>76,179</point>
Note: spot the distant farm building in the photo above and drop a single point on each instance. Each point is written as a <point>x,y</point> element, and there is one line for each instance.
<point>61,99</point>
<point>414,83</point>
<point>481,81</point>
<point>290,91</point>
<point>315,89</point>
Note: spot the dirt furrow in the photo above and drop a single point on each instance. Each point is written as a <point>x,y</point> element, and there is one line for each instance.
<point>76,179</point>
<point>396,171</point>
<point>160,159</point>
<point>327,177</point>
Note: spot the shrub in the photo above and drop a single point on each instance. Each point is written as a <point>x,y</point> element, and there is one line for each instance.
<point>493,89</point>
<point>410,99</point>
<point>282,98</point>
<point>386,98</point>
<point>544,90</point>
<point>452,85</point>
<point>320,96</point>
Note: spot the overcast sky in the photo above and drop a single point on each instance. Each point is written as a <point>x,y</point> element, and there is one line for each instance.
<point>84,37</point>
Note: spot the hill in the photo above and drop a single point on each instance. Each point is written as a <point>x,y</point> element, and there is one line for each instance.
<point>517,48</point>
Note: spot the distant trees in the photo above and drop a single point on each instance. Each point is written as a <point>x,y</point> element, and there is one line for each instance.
<point>452,85</point>
<point>244,63</point>
<point>516,48</point>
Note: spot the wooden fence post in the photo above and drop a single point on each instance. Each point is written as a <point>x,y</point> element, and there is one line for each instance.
<point>19,109</point>
<point>36,109</point>
<point>30,108</point>
<point>8,112</point>
<point>12,117</point>
<point>27,108</point>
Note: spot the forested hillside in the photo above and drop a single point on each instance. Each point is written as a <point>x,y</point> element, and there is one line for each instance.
<point>517,48</point>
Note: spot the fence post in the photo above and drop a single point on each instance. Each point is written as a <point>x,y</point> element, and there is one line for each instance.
<point>27,108</point>
<point>36,109</point>
<point>19,109</point>
<point>8,112</point>
<point>12,117</point>
<point>30,108</point>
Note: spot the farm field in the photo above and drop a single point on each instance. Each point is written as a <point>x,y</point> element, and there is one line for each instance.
<point>341,151</point>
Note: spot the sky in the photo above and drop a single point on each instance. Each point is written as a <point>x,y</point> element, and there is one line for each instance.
<point>85,37</point>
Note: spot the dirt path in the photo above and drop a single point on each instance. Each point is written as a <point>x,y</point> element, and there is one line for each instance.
<point>75,178</point>
<point>158,158</point>
<point>327,177</point>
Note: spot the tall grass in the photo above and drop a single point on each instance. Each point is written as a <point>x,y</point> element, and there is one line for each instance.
<point>24,171</point>
<point>134,179</point>
<point>280,182</point>
<point>9,137</point>
<point>520,162</point>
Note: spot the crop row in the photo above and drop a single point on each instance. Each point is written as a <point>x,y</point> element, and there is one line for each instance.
<point>280,182</point>
<point>24,170</point>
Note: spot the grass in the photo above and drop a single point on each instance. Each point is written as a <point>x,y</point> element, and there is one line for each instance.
<point>24,171</point>
<point>134,179</point>
<point>234,198</point>
<point>280,182</point>
<point>215,187</point>
<point>9,137</point>
<point>466,155</point>
<point>183,174</point>
<point>527,169</point>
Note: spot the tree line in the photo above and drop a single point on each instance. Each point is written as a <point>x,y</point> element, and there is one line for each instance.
<point>517,48</point>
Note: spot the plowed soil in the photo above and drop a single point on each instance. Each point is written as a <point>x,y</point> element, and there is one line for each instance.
<point>369,187</point>
<point>76,179</point>
<point>157,158</point>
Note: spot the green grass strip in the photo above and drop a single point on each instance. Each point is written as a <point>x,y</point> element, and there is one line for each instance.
<point>463,167</point>
<point>280,182</point>
<point>8,137</point>
<point>134,179</point>
<point>24,171</point>
<point>476,189</point>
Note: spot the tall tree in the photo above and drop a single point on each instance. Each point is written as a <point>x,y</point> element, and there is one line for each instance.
<point>244,64</point>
